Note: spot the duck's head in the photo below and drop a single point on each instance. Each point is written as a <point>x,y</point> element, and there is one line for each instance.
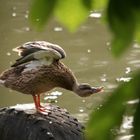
<point>85,90</point>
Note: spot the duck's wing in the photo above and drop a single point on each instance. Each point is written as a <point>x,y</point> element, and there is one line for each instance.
<point>31,47</point>
<point>38,50</point>
<point>22,60</point>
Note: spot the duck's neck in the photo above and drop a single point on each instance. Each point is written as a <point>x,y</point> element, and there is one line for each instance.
<point>83,90</point>
<point>70,84</point>
<point>65,77</point>
<point>76,88</point>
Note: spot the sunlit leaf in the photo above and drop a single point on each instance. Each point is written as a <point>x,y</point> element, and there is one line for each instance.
<point>110,115</point>
<point>40,11</point>
<point>71,13</point>
<point>136,130</point>
<point>137,15</point>
<point>99,4</point>
<point>122,23</point>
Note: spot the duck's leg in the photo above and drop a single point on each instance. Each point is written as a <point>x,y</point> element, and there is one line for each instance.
<point>39,108</point>
<point>44,107</point>
<point>38,98</point>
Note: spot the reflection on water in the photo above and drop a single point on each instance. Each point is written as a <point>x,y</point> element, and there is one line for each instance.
<point>95,15</point>
<point>123,79</point>
<point>88,55</point>
<point>52,97</point>
<point>126,128</point>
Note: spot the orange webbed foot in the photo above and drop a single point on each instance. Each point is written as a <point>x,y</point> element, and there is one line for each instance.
<point>40,109</point>
<point>43,110</point>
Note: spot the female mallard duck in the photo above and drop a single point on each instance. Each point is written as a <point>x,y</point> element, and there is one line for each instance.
<point>39,70</point>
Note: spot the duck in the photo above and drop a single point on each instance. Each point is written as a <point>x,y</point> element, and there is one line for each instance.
<point>39,69</point>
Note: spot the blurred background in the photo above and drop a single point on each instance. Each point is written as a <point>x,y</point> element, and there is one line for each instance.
<point>88,56</point>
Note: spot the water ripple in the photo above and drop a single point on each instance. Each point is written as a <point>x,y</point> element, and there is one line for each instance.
<point>95,15</point>
<point>123,79</point>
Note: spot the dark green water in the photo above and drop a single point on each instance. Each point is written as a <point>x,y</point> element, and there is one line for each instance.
<point>88,55</point>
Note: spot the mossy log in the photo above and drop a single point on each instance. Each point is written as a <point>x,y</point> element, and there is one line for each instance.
<point>21,122</point>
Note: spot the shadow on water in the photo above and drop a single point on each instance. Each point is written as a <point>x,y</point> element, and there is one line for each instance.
<point>88,55</point>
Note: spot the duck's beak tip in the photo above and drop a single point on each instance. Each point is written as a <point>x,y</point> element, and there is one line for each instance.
<point>98,89</point>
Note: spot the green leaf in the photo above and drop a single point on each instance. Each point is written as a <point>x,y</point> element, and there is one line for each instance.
<point>136,123</point>
<point>40,11</point>
<point>122,23</point>
<point>99,4</point>
<point>71,13</point>
<point>110,115</point>
<point>137,34</point>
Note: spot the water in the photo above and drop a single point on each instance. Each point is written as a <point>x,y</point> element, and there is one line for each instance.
<point>88,55</point>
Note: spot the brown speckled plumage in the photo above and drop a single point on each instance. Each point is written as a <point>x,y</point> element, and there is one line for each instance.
<point>39,80</point>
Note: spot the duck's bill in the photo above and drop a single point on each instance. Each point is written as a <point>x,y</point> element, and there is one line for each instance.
<point>97,89</point>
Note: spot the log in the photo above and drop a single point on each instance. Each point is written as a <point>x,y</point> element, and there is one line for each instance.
<point>21,122</point>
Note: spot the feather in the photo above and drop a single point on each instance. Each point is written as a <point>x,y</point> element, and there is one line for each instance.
<point>31,47</point>
<point>38,50</point>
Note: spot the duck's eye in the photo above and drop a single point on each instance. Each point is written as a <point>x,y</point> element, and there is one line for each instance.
<point>84,86</point>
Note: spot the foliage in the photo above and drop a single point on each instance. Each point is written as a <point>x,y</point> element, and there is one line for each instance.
<point>124,22</point>
<point>136,123</point>
<point>111,114</point>
<point>71,13</point>
<point>41,11</point>
<point>123,18</point>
